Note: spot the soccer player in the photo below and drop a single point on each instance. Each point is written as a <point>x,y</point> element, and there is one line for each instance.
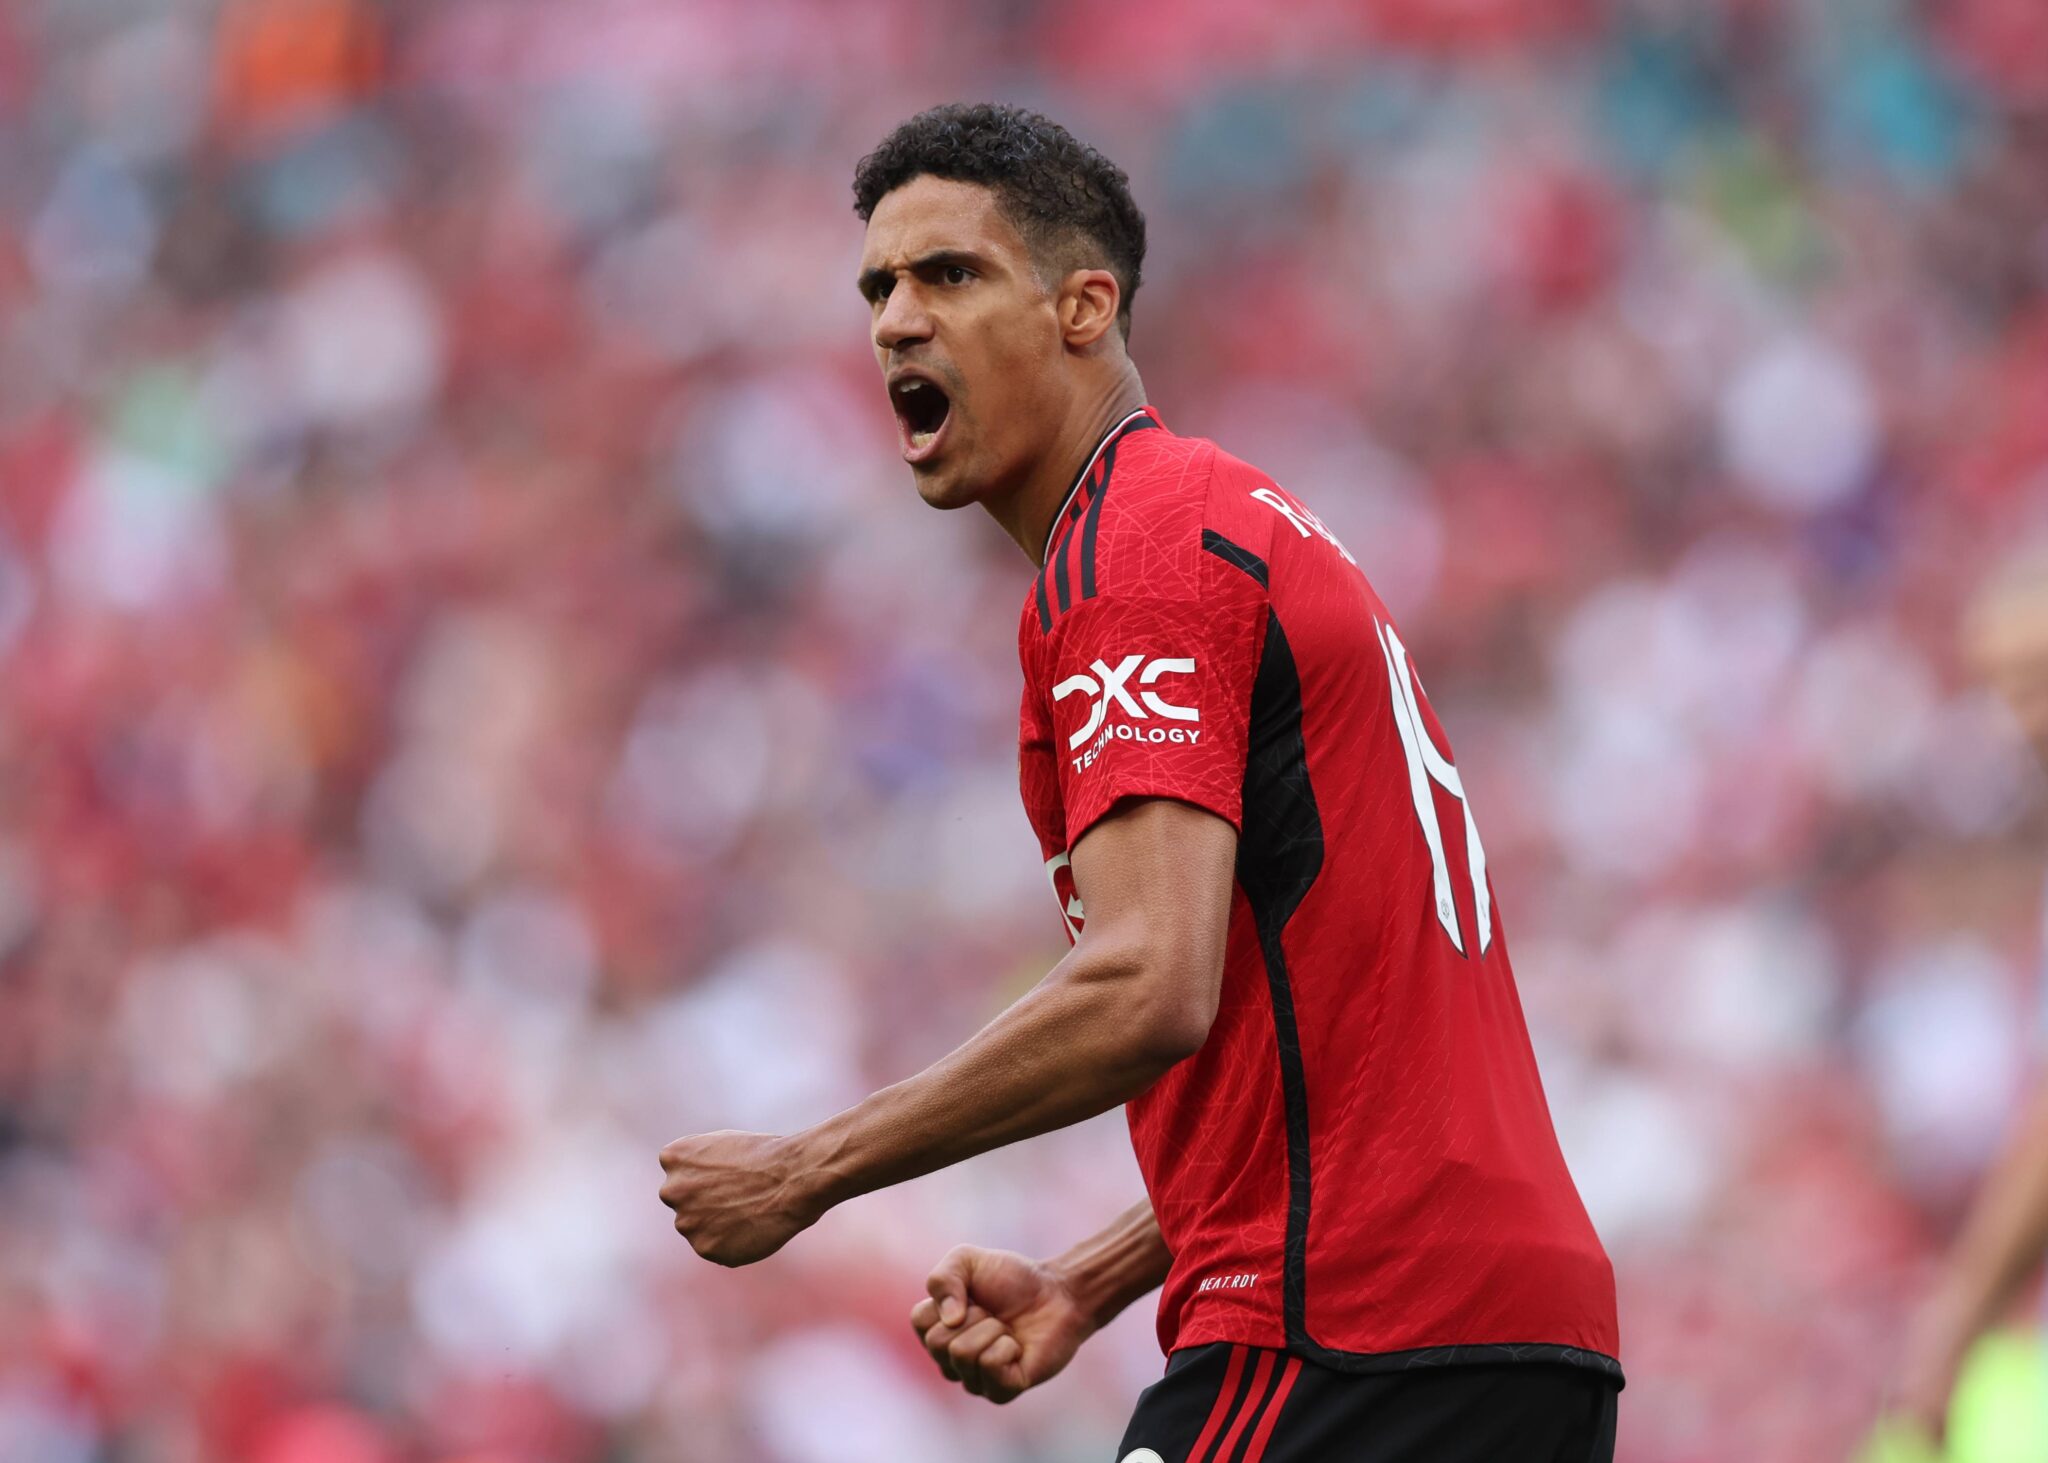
<point>2004,1238</point>
<point>1287,959</point>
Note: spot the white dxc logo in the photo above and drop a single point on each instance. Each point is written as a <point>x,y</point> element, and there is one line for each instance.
<point>1108,685</point>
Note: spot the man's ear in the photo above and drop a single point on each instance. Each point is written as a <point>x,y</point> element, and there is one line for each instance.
<point>1089,300</point>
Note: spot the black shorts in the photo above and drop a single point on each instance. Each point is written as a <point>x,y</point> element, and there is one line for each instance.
<point>1240,1404</point>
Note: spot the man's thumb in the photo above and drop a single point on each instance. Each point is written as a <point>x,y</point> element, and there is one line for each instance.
<point>948,1286</point>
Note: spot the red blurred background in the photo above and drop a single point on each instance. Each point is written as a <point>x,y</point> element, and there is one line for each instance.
<point>479,696</point>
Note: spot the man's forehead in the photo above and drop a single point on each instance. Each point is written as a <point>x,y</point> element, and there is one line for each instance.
<point>927,215</point>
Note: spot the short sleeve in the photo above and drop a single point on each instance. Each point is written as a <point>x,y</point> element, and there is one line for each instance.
<point>1149,697</point>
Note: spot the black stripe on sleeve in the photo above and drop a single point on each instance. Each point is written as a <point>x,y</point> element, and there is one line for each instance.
<point>1235,556</point>
<point>1044,609</point>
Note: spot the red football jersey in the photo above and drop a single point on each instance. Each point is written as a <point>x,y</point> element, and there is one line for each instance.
<point>1358,1165</point>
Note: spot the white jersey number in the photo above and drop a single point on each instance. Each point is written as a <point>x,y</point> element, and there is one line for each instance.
<point>1426,765</point>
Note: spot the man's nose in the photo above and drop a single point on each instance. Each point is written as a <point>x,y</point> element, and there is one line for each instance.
<point>903,320</point>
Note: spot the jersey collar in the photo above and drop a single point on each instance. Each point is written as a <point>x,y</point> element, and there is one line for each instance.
<point>1060,515</point>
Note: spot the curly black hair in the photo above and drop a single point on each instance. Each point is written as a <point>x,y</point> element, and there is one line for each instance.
<point>1072,205</point>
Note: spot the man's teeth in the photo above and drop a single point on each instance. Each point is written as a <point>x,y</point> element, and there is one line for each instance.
<point>918,402</point>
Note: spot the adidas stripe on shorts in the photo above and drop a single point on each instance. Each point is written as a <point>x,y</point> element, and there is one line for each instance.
<point>1225,1403</point>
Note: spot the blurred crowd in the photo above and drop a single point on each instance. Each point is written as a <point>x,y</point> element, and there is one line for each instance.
<point>479,695</point>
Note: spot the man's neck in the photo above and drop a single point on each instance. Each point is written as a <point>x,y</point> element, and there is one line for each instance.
<point>1027,514</point>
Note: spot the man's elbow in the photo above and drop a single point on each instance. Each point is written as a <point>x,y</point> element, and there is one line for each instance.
<point>1171,1036</point>
<point>1171,1016</point>
<point>1158,997</point>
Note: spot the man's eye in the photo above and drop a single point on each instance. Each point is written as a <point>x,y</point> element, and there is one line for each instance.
<point>956,274</point>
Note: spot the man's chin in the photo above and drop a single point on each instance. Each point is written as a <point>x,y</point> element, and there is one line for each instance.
<point>942,486</point>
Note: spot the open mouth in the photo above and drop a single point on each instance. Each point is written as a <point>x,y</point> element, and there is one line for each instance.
<point>922,411</point>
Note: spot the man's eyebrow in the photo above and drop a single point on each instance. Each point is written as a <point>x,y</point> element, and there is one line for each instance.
<point>872,279</point>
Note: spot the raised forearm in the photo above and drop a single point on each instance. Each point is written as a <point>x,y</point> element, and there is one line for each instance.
<point>2007,1231</point>
<point>1079,1043</point>
<point>1110,1269</point>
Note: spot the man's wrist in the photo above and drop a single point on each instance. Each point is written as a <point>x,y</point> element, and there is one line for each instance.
<point>1106,1272</point>
<point>813,1162</point>
<point>1083,1283</point>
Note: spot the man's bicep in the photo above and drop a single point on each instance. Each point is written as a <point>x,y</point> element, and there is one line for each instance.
<point>1156,876</point>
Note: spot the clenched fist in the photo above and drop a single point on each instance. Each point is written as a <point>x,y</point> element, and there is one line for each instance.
<point>738,1197</point>
<point>998,1323</point>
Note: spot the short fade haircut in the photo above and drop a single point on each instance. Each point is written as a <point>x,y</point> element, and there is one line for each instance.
<point>1071,204</point>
